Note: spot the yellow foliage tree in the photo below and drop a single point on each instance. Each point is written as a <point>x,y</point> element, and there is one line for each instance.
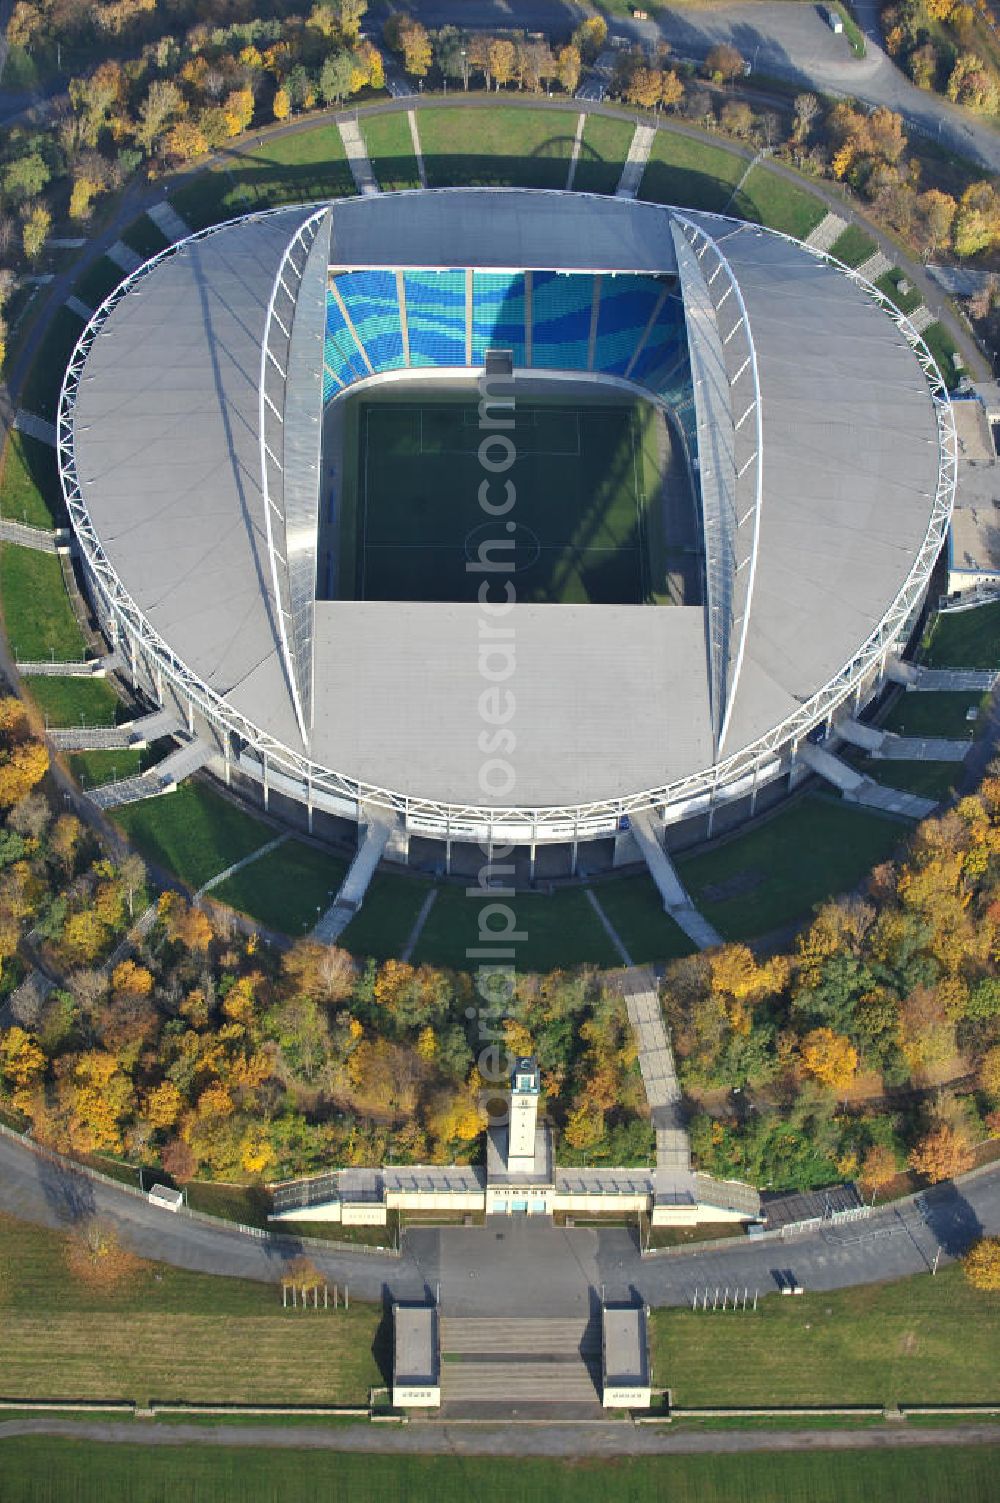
<point>830,1058</point>
<point>982,1264</point>
<point>942,1153</point>
<point>878,1167</point>
<point>131,979</point>
<point>163,1105</point>
<point>21,768</point>
<point>281,107</point>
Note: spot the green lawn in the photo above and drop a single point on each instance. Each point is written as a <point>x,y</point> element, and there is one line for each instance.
<point>602,156</point>
<point>40,393</point>
<point>92,768</point>
<point>944,349</point>
<point>929,779</point>
<point>78,701</point>
<point>38,1470</point>
<point>528,148</point>
<point>635,910</point>
<point>297,168</point>
<point>777,872</point>
<point>145,238</point>
<point>691,174</point>
<point>194,832</point>
<point>781,205</point>
<point>390,147</point>
<point>919,1340</point>
<point>933,715</point>
<point>29,490</point>
<point>384,920</point>
<point>97,281</point>
<point>286,889</point>
<point>853,245</point>
<point>560,930</point>
<point>37,612</point>
<point>906,302</point>
<point>965,639</point>
<point>171,1335</point>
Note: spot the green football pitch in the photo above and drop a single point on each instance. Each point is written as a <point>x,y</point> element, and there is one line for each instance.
<point>580,529</point>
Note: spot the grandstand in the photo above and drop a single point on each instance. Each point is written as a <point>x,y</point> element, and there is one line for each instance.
<point>817,448</point>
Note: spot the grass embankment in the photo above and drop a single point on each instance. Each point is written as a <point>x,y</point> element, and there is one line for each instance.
<point>965,639</point>
<point>602,155</point>
<point>777,872</point>
<point>780,204</point>
<point>497,146</point>
<point>194,832</point>
<point>635,909</point>
<point>297,168</point>
<point>37,612</point>
<point>170,1335</point>
<point>919,1340</point>
<point>558,930</point>
<point>853,246</point>
<point>145,237</point>
<point>390,149</point>
<point>29,489</point>
<point>77,701</point>
<point>288,888</point>
<point>689,172</point>
<point>935,714</point>
<point>387,916</point>
<point>75,1471</point>
<point>40,393</point>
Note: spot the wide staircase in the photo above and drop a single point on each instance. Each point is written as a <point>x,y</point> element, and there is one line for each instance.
<point>510,1362</point>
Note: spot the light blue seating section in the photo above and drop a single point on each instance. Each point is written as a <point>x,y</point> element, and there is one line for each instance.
<point>626,306</point>
<point>371,299</point>
<point>498,307</point>
<point>560,320</point>
<point>435,316</point>
<point>667,342</point>
<point>341,357</point>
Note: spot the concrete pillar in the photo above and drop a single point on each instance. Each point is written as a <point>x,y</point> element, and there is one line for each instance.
<point>227,751</point>
<point>267,790</point>
<point>309,802</point>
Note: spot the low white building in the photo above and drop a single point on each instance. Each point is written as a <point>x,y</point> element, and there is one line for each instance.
<point>416,1357</point>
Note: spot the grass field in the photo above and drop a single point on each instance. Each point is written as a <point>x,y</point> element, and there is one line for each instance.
<point>305,165</point>
<point>944,349</point>
<point>37,612</point>
<point>288,888</point>
<point>194,831</point>
<point>781,205</point>
<point>73,1471</point>
<point>92,768</point>
<point>929,779</point>
<point>97,281</point>
<point>560,930</point>
<point>777,872</point>
<point>920,1340</point>
<point>602,156</point>
<point>170,1335</point>
<point>581,519</point>
<point>390,148</point>
<point>853,245</point>
<point>77,701</point>
<point>692,174</point>
<point>635,910</point>
<point>144,237</point>
<point>29,489</point>
<point>933,715</point>
<point>497,146</point>
<point>40,393</point>
<point>965,639</point>
<point>906,302</point>
<point>383,922</point>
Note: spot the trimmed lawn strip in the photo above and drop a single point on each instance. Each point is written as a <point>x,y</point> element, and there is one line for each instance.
<point>298,168</point>
<point>912,1341</point>
<point>775,874</point>
<point>965,639</point>
<point>906,302</point>
<point>78,701</point>
<point>944,349</point>
<point>635,910</point>
<point>171,1335</point>
<point>691,174</point>
<point>92,768</point>
<point>936,714</point>
<point>781,205</point>
<point>80,1471</point>
<point>288,888</point>
<point>145,237</point>
<point>384,921</point>
<point>40,393</point>
<point>560,930</point>
<point>496,146</point>
<point>853,246</point>
<point>194,832</point>
<point>929,779</point>
<point>98,281</point>
<point>390,148</point>
<point>37,611</point>
<point>29,491</point>
<point>602,156</point>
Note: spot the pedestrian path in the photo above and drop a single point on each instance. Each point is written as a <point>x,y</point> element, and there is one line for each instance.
<point>418,925</point>
<point>35,427</point>
<point>357,158</point>
<point>827,232</point>
<point>41,539</point>
<point>237,866</point>
<point>635,162</point>
<point>124,257</point>
<point>676,899</point>
<point>373,839</point>
<point>859,789</point>
<point>575,154</point>
<point>922,680</point>
<point>876,266</point>
<point>411,116</point>
<point>169,222</point>
<point>79,307</point>
<point>656,1062</point>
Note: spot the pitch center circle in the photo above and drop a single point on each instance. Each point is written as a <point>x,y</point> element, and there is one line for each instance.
<point>487,538</point>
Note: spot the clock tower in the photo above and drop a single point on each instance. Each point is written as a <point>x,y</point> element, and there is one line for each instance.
<point>525,1087</point>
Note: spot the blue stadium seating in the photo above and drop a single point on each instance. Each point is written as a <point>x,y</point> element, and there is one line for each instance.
<point>370,298</point>
<point>626,306</point>
<point>342,360</point>
<point>435,316</point>
<point>497,314</point>
<point>560,320</point>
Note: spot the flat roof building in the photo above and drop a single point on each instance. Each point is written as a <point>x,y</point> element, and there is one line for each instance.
<point>416,1357</point>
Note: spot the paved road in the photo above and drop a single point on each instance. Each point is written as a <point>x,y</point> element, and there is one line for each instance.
<point>594,1439</point>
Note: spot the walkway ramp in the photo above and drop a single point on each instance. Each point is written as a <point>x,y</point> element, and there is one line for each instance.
<point>827,232</point>
<point>656,1062</point>
<point>163,778</point>
<point>831,769</point>
<point>868,737</point>
<point>921,749</point>
<point>60,668</point>
<point>859,789</point>
<point>124,257</point>
<point>676,900</point>
<point>41,539</point>
<point>132,733</point>
<point>357,157</point>
<point>920,679</point>
<point>635,162</point>
<point>169,222</point>
<point>378,827</point>
<point>35,426</point>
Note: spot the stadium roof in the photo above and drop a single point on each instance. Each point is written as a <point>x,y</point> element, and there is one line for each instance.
<point>611,700</point>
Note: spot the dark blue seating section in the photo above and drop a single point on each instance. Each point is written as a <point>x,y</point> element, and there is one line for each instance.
<point>639,333</point>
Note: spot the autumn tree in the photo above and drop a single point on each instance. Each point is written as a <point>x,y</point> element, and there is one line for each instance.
<point>503,56</point>
<point>806,110</point>
<point>97,1257</point>
<point>163,104</point>
<point>830,1058</point>
<point>942,1153</point>
<point>568,68</point>
<point>878,1168</point>
<point>413,41</point>
<point>21,768</point>
<point>982,1264</point>
<point>724,63</point>
<point>977,222</point>
<point>590,37</point>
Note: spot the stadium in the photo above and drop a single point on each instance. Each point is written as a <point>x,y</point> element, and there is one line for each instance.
<point>315,456</point>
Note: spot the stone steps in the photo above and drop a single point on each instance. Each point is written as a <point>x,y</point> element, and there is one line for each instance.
<point>554,1336</point>
<point>536,1383</point>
